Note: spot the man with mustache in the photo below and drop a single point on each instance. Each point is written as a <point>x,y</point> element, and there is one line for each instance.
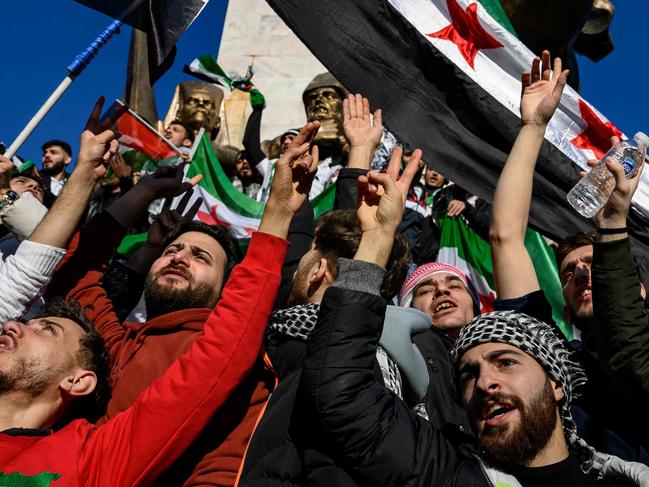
<point>517,286</point>
<point>181,288</point>
<point>514,374</point>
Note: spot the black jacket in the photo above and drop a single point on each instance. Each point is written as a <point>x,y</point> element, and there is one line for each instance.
<point>442,399</point>
<point>378,439</point>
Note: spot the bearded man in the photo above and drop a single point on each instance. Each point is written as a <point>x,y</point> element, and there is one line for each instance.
<point>57,154</point>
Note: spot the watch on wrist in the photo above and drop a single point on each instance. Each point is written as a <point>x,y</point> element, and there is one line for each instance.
<point>7,199</point>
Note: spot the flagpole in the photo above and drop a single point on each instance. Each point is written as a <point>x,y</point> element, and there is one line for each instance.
<point>74,69</point>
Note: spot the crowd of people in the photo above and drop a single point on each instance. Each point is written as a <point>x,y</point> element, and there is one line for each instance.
<point>334,352</point>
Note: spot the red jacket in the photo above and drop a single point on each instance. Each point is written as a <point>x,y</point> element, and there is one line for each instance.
<point>136,446</point>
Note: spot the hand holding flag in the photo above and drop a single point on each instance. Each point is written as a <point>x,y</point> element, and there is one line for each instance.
<point>541,90</point>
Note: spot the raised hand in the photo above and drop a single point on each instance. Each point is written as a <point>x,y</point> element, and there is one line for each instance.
<point>170,219</point>
<point>166,182</point>
<point>614,213</point>
<point>119,166</point>
<point>382,197</point>
<point>541,90</point>
<point>98,143</point>
<point>294,173</point>
<point>359,127</point>
<point>295,170</point>
<point>363,133</point>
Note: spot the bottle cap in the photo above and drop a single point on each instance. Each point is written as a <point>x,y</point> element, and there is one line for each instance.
<point>641,139</point>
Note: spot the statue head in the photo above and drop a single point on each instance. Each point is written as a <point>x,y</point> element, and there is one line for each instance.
<point>323,101</point>
<point>199,105</point>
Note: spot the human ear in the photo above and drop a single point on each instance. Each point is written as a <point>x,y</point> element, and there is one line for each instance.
<point>81,383</point>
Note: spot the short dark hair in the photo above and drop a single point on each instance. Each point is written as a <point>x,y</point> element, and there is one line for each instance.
<point>571,243</point>
<point>338,235</point>
<point>221,234</point>
<point>61,143</point>
<point>92,355</point>
<point>189,132</point>
<point>27,175</point>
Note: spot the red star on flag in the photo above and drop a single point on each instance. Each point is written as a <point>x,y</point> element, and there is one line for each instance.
<point>597,136</point>
<point>466,32</point>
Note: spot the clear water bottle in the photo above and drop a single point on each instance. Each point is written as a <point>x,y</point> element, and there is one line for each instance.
<point>594,189</point>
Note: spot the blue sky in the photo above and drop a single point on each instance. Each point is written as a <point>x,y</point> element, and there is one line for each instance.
<point>41,37</point>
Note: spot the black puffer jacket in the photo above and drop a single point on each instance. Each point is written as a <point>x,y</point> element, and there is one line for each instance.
<point>378,439</point>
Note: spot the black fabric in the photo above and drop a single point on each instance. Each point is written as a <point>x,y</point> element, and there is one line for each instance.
<point>26,432</point>
<point>429,103</point>
<point>442,399</point>
<point>346,194</point>
<point>288,447</point>
<point>252,137</point>
<point>164,21</point>
<point>566,473</point>
<point>378,439</point>
<point>607,417</point>
<point>300,236</point>
<point>124,287</point>
<point>621,318</point>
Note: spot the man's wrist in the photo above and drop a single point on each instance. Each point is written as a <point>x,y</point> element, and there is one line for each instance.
<point>375,247</point>
<point>360,156</point>
<point>535,127</point>
<point>276,219</point>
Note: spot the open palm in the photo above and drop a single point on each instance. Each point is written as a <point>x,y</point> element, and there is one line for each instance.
<point>541,90</point>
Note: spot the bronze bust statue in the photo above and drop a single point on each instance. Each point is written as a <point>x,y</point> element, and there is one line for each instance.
<point>323,101</point>
<point>199,104</point>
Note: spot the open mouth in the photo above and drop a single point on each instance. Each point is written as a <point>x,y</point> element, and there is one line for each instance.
<point>175,274</point>
<point>444,306</point>
<point>497,413</point>
<point>583,294</point>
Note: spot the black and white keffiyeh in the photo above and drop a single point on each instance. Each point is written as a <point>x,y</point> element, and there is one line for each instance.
<point>537,339</point>
<point>297,321</point>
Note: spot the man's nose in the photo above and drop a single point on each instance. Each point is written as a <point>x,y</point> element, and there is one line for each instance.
<point>13,327</point>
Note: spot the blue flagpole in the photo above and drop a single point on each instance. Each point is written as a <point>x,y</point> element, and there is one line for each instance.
<point>77,66</point>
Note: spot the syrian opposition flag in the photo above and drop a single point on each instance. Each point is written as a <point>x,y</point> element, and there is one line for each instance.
<point>138,134</point>
<point>447,76</point>
<point>463,248</point>
<point>223,204</point>
<point>207,69</point>
<point>164,21</point>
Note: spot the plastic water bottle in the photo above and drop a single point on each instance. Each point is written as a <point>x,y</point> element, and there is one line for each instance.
<point>595,188</point>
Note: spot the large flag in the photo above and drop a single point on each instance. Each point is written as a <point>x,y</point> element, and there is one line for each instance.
<point>164,21</point>
<point>463,248</point>
<point>224,204</point>
<point>450,84</point>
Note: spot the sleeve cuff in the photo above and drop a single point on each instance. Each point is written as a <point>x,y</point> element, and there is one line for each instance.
<point>612,255</point>
<point>266,251</point>
<point>39,256</point>
<point>357,275</point>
